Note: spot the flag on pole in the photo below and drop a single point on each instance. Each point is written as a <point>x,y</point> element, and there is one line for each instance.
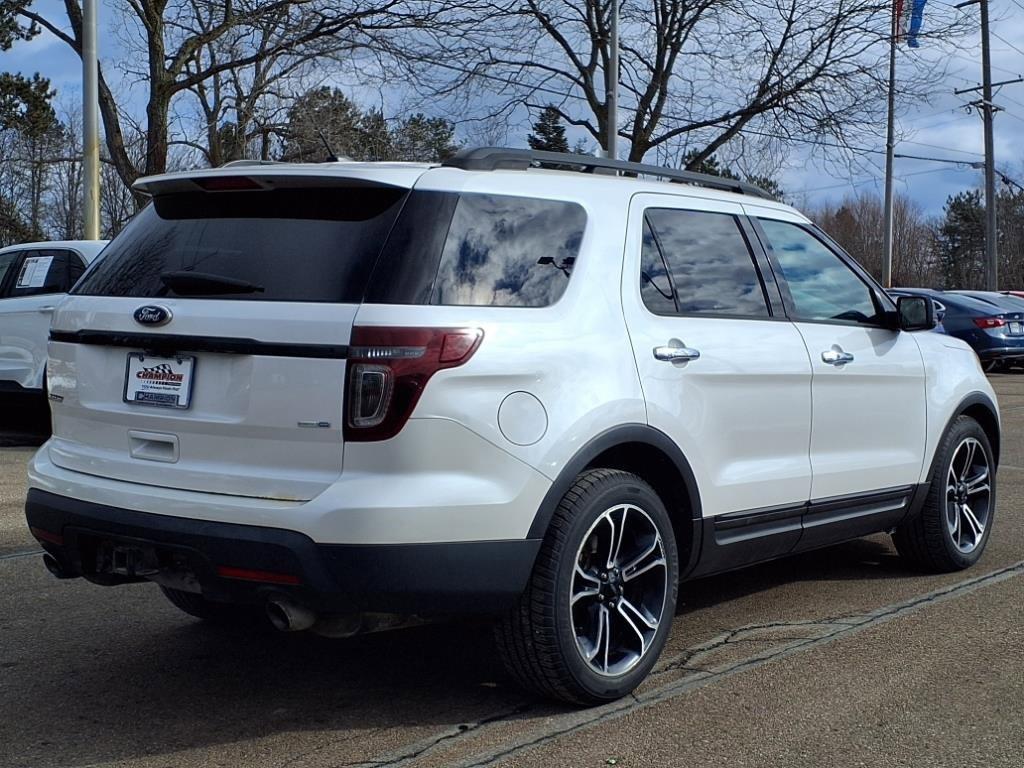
<point>909,17</point>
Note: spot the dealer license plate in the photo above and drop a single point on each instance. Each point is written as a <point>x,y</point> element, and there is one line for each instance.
<point>161,381</point>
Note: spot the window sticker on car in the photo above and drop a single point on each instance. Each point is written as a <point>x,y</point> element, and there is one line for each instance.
<point>34,271</point>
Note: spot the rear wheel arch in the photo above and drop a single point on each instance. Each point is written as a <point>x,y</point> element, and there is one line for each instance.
<point>654,457</point>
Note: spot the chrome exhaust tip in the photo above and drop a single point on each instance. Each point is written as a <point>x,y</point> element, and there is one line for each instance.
<point>53,566</point>
<point>288,616</point>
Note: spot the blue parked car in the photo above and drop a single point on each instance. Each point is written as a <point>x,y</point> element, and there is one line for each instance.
<point>992,323</point>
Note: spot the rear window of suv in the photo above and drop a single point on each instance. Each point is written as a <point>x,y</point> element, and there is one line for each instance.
<point>282,245</point>
<point>378,244</point>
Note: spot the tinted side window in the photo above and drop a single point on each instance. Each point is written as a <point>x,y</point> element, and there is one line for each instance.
<point>407,266</point>
<point>822,286</point>
<point>709,262</point>
<point>508,251</point>
<point>7,261</point>
<point>41,272</point>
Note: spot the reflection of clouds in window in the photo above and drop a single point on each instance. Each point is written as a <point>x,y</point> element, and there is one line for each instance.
<point>710,262</point>
<point>822,286</point>
<point>493,248</point>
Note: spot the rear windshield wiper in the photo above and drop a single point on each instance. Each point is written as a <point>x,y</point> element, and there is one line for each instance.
<point>185,283</point>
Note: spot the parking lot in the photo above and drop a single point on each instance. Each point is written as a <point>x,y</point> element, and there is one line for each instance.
<point>838,657</point>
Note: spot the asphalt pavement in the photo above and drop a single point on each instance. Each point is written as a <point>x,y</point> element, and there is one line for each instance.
<point>841,657</point>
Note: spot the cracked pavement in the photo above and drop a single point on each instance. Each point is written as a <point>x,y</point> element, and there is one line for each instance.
<point>839,657</point>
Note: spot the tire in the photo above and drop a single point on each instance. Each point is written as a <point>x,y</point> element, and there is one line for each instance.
<point>943,538</point>
<point>538,639</point>
<point>991,366</point>
<point>196,605</point>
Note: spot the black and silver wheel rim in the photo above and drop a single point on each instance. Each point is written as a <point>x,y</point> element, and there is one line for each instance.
<point>618,591</point>
<point>968,495</point>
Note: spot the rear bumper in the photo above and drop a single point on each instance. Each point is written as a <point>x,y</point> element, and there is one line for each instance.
<point>459,577</point>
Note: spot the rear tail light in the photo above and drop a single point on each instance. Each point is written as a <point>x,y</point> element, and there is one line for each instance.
<point>389,369</point>
<point>989,322</point>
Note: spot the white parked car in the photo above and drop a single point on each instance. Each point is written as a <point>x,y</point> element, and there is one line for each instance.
<point>498,385</point>
<point>33,278</point>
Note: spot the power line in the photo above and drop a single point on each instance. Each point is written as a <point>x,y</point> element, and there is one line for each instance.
<point>875,180</point>
<point>971,163</point>
<point>946,149</point>
<point>997,36</point>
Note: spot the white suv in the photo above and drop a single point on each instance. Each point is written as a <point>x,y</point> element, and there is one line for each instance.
<point>540,386</point>
<point>33,278</point>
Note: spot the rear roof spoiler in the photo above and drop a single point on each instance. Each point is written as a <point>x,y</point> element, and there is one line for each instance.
<point>285,176</point>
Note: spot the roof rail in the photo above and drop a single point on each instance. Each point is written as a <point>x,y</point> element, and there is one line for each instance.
<point>501,158</point>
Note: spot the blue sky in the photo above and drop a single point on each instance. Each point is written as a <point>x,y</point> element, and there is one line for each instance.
<point>941,128</point>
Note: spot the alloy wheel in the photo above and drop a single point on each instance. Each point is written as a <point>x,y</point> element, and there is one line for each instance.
<point>968,495</point>
<point>618,590</point>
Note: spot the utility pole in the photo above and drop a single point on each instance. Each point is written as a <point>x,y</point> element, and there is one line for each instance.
<point>988,110</point>
<point>90,121</point>
<point>890,146</point>
<point>611,83</point>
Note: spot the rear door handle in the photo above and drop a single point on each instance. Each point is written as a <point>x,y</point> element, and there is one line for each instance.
<point>836,357</point>
<point>676,354</point>
<point>47,309</point>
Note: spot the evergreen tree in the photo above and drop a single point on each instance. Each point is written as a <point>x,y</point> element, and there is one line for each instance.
<point>325,111</point>
<point>549,133</point>
<point>711,166</point>
<point>962,241</point>
<point>360,135</point>
<point>424,139</point>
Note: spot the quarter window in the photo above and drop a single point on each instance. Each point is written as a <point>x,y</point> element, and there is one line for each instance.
<point>508,251</point>
<point>698,262</point>
<point>823,287</point>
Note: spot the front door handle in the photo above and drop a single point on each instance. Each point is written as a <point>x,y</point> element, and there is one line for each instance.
<point>836,357</point>
<point>47,309</point>
<point>676,352</point>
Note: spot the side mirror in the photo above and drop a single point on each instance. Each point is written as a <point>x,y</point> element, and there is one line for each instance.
<point>915,313</point>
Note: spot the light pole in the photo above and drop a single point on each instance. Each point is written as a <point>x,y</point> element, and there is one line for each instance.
<point>90,121</point>
<point>890,146</point>
<point>611,82</point>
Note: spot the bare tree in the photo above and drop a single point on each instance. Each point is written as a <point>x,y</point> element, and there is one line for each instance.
<point>172,36</point>
<point>695,74</point>
<point>857,223</point>
<point>64,219</point>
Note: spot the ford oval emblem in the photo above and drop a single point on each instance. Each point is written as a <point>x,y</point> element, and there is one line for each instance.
<point>152,315</point>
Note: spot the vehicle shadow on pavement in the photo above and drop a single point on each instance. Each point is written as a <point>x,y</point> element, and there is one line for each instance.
<point>184,685</point>
<point>858,560</point>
